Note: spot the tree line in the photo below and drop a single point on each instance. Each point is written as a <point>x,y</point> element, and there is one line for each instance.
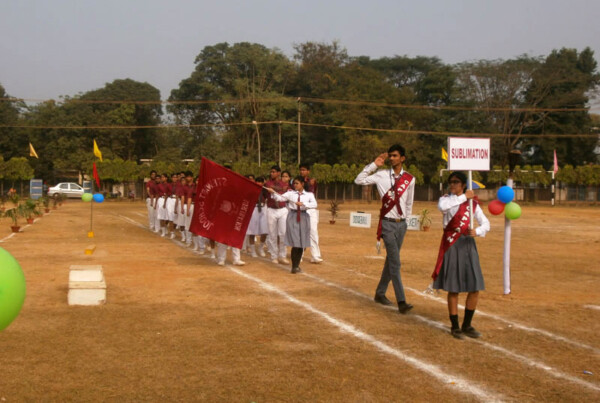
<point>346,108</point>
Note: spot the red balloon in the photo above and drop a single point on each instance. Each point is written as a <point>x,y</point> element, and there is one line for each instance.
<point>496,207</point>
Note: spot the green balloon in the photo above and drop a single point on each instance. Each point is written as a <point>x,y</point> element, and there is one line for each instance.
<point>512,211</point>
<point>87,197</point>
<point>12,288</point>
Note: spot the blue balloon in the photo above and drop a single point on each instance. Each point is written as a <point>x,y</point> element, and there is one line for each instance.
<point>98,198</point>
<point>506,194</point>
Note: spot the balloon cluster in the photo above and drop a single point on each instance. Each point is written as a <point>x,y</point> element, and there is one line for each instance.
<point>511,210</point>
<point>97,197</point>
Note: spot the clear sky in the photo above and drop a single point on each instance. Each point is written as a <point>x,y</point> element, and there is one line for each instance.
<point>50,48</point>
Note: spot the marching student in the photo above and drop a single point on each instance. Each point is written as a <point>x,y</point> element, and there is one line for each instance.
<point>156,205</point>
<point>258,225</point>
<point>276,217</point>
<point>286,177</point>
<point>457,268</point>
<point>164,191</point>
<point>171,203</point>
<point>396,188</point>
<point>310,185</point>
<point>180,207</point>
<point>297,232</point>
<point>150,191</point>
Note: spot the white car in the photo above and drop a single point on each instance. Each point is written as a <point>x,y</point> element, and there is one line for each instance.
<point>68,189</point>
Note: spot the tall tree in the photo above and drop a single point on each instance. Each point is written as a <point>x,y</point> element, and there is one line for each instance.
<point>243,74</point>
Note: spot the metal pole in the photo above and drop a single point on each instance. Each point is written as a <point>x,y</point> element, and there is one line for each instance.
<point>258,139</point>
<point>279,143</point>
<point>298,131</point>
<point>553,189</point>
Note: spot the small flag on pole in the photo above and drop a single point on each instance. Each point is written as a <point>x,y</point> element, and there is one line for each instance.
<point>444,154</point>
<point>97,152</point>
<point>32,152</point>
<point>555,163</point>
<point>96,177</point>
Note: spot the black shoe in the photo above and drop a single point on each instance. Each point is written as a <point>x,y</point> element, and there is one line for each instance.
<point>296,270</point>
<point>456,333</point>
<point>382,299</point>
<point>471,332</point>
<point>403,307</point>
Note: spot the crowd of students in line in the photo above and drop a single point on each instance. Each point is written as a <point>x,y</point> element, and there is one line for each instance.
<point>286,215</point>
<point>170,203</point>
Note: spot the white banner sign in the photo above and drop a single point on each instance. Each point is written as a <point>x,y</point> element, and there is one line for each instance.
<point>468,154</point>
<point>412,223</point>
<point>360,219</point>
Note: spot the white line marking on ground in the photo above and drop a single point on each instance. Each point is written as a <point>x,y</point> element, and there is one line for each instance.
<point>516,325</point>
<point>129,220</point>
<point>596,307</point>
<point>515,356</point>
<point>463,385</point>
<point>6,238</point>
<point>438,325</point>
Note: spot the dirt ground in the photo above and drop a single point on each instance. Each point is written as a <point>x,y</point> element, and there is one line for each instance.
<point>177,327</point>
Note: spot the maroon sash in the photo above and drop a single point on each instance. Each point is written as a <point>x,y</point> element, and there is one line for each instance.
<point>388,202</point>
<point>458,225</point>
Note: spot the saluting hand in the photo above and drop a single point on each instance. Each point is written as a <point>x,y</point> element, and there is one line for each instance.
<point>380,160</point>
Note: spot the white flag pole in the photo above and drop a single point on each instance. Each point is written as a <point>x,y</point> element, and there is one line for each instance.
<point>471,214</point>
<point>506,254</point>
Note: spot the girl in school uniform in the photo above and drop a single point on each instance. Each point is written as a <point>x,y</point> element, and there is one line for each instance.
<point>297,232</point>
<point>457,268</point>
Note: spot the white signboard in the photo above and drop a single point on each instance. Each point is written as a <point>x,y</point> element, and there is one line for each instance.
<point>468,154</point>
<point>412,223</point>
<point>360,219</point>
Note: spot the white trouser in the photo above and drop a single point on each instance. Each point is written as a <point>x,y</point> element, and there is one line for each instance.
<point>276,218</point>
<point>151,212</point>
<point>222,253</point>
<point>188,218</point>
<point>315,251</point>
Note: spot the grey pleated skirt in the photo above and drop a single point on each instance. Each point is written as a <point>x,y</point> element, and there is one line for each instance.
<point>297,234</point>
<point>460,271</point>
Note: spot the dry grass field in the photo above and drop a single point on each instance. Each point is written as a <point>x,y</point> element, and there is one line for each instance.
<point>177,327</point>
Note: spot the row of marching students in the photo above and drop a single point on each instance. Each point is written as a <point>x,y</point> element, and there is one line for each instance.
<point>170,209</point>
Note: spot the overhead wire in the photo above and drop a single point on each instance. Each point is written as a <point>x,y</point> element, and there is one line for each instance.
<point>294,123</point>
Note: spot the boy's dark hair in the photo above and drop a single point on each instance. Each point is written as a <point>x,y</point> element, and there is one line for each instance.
<point>189,173</point>
<point>397,147</point>
<point>305,165</point>
<point>276,167</point>
<point>153,172</point>
<point>259,179</point>
<point>458,175</point>
<point>300,179</point>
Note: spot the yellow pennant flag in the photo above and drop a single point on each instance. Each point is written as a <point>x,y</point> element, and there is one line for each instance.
<point>97,152</point>
<point>444,154</point>
<point>32,152</point>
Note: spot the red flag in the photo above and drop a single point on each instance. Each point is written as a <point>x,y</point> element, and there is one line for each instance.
<point>555,163</point>
<point>96,176</point>
<point>223,205</point>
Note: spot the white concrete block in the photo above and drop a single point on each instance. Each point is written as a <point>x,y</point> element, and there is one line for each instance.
<point>86,285</point>
<point>87,296</point>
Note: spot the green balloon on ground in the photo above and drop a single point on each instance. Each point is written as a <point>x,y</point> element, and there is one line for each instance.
<point>87,197</point>
<point>12,288</point>
<point>512,211</point>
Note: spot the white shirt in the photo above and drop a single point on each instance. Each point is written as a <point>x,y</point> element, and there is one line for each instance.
<point>385,179</point>
<point>291,197</point>
<point>448,205</point>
